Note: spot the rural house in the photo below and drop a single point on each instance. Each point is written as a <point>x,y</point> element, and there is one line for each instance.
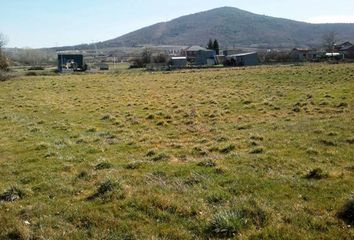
<point>200,56</point>
<point>171,50</point>
<point>347,49</point>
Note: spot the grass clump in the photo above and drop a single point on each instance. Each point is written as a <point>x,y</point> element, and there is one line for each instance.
<point>135,165</point>
<point>316,173</point>
<point>346,213</point>
<point>103,165</point>
<point>328,143</point>
<point>256,215</point>
<point>226,224</point>
<point>160,157</point>
<point>350,140</point>
<point>83,175</point>
<point>107,190</point>
<point>257,150</point>
<point>199,151</point>
<point>207,163</point>
<point>107,117</point>
<point>227,149</point>
<point>217,198</point>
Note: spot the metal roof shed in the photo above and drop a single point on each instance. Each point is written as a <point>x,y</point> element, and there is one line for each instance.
<point>243,59</point>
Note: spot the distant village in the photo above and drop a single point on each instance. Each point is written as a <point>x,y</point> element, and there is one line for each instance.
<point>169,57</point>
<point>177,57</point>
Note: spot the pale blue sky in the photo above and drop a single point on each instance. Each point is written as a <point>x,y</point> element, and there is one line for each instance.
<point>49,23</point>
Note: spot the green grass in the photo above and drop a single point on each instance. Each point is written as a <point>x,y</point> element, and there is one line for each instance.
<point>248,153</point>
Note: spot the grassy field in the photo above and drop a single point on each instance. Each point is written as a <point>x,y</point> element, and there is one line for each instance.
<point>247,153</point>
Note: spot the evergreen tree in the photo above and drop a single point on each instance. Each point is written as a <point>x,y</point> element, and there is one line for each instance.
<point>216,46</point>
<point>210,44</point>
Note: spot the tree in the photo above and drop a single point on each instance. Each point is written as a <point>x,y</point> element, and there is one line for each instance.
<point>4,64</point>
<point>210,44</point>
<point>329,40</point>
<point>146,55</point>
<point>216,46</point>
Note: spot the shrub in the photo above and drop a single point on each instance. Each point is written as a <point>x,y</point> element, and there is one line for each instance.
<point>346,213</point>
<point>4,63</point>
<point>35,68</point>
<point>4,76</point>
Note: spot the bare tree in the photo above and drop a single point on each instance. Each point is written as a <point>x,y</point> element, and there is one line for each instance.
<point>3,59</point>
<point>2,40</point>
<point>329,40</point>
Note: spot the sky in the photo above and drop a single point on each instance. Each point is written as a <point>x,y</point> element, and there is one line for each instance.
<point>49,23</point>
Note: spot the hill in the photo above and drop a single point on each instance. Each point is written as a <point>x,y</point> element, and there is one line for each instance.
<point>232,26</point>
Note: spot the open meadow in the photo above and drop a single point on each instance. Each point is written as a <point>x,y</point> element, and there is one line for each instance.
<point>245,153</point>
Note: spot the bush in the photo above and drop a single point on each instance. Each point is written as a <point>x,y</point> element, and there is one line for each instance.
<point>36,68</point>
<point>4,76</point>
<point>4,64</point>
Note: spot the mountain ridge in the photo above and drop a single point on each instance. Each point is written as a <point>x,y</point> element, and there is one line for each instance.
<point>232,26</point>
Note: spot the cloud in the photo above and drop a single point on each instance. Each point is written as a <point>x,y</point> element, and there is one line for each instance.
<point>331,19</point>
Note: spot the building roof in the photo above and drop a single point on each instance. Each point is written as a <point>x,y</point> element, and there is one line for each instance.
<point>70,52</point>
<point>346,47</point>
<point>179,58</point>
<point>197,48</point>
<point>303,49</point>
<point>242,54</point>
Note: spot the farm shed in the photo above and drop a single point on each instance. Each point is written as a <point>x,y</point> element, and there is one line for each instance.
<point>303,54</point>
<point>242,59</point>
<point>74,62</point>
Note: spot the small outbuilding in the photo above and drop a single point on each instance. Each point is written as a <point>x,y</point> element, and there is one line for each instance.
<point>71,62</point>
<point>104,66</point>
<point>242,59</point>
<point>178,62</point>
